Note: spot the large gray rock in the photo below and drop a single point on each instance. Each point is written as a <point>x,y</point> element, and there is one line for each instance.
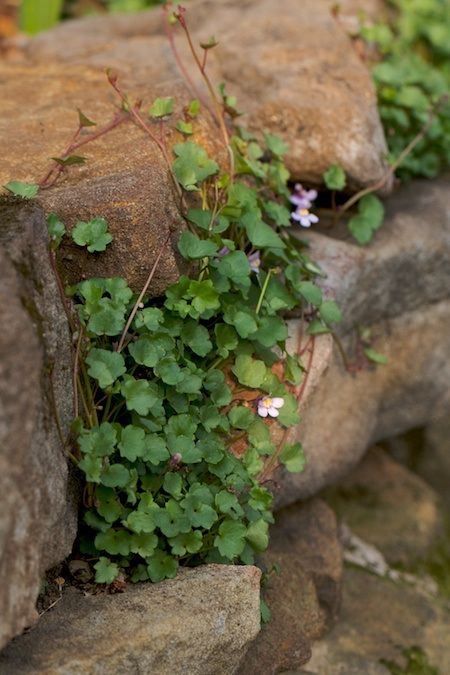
<point>293,70</point>
<point>382,621</point>
<point>38,512</point>
<point>399,286</point>
<point>199,623</point>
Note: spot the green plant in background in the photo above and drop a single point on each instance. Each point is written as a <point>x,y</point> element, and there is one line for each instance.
<point>416,663</point>
<point>36,16</point>
<point>413,80</point>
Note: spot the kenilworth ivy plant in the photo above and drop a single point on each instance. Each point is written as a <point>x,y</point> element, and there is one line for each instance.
<point>179,393</point>
<point>177,397</point>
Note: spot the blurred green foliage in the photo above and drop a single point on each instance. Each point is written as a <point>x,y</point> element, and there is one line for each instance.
<point>412,80</point>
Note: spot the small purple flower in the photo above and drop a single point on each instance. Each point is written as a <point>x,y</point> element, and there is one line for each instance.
<point>302,198</point>
<point>175,459</point>
<point>268,406</point>
<point>254,261</point>
<point>223,251</point>
<point>304,217</point>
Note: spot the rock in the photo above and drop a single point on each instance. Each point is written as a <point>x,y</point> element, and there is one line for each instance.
<point>38,510</point>
<point>201,621</point>
<point>389,507</point>
<point>382,621</point>
<point>427,452</point>
<point>295,72</point>
<point>124,180</point>
<point>305,597</point>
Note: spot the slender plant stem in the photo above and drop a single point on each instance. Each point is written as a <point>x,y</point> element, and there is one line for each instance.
<point>141,295</point>
<point>402,156</point>
<point>263,291</point>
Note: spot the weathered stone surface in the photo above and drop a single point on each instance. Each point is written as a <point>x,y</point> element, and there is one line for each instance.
<point>389,507</point>
<point>201,623</point>
<point>305,597</point>
<point>380,619</point>
<point>399,287</point>
<point>294,71</point>
<point>125,179</point>
<point>37,510</point>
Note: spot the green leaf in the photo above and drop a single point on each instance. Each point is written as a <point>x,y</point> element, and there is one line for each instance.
<point>375,356</point>
<point>56,228</point>
<point>289,412</point>
<point>260,234</point>
<point>278,213</point>
<point>84,121</point>
<point>162,566</point>
<point>70,160</point>
<point>191,542</point>
<point>115,475</point>
<point>204,295</point>
<point>226,339</point>
<point>192,165</point>
<point>105,366</point>
<point>140,395</point>
<point>171,519</point>
<point>92,467</point>
<point>198,513</point>
<point>156,449</point>
<point>150,317</point>
<point>276,145</point>
<point>368,220</point>
<point>231,539</point>
<point>162,107</point>
<point>196,337</point>
<point>249,372</point>
<point>241,417</point>
<point>272,329</point>
<point>93,234</point>
<point>361,229</point>
<point>193,108</point>
<point>192,247</point>
<point>144,544</point>
<point>132,442</point>
<point>330,312</point>
<point>24,190</point>
<point>140,521</point>
<point>228,503</point>
<point>105,571</point>
<point>310,292</point>
<point>184,127</point>
<point>258,534</point>
<point>334,177</point>
<point>99,441</point>
<point>293,369</point>
<point>116,542</point>
<point>148,350</point>
<point>169,371</point>
<point>293,458</point>
<point>173,484</point>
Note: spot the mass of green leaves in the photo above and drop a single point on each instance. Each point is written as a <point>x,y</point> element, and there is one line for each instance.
<point>412,80</point>
<point>162,397</point>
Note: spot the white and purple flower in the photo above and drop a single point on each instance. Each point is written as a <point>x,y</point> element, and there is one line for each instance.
<point>268,406</point>
<point>304,217</point>
<point>302,198</point>
<point>254,260</point>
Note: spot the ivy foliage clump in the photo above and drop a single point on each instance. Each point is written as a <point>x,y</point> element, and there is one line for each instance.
<point>180,393</point>
<point>413,81</point>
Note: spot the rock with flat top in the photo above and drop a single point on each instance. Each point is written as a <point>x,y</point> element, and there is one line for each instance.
<point>201,622</point>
